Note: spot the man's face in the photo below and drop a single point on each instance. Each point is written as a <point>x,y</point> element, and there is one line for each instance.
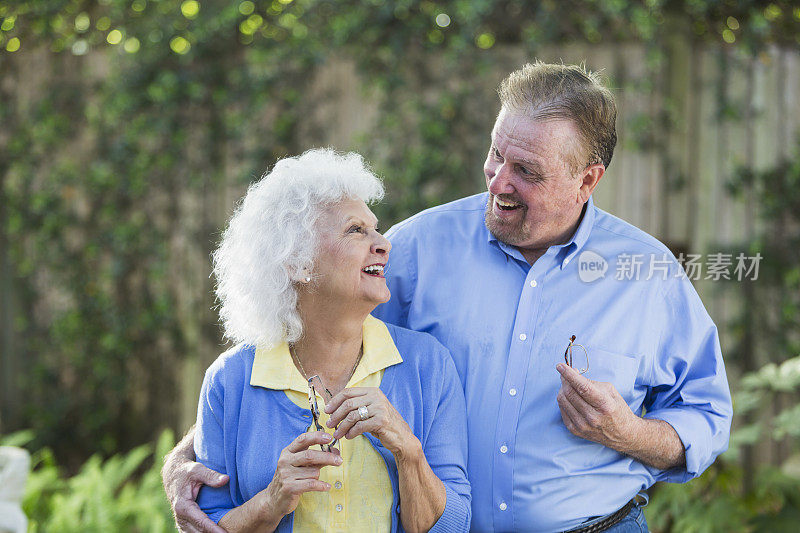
<point>534,199</point>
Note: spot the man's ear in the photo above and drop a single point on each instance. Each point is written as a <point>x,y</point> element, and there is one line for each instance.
<point>590,178</point>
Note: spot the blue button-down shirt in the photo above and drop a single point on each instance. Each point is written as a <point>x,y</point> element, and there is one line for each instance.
<point>507,324</point>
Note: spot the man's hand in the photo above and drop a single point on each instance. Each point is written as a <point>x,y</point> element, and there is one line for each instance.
<point>595,411</point>
<point>182,478</point>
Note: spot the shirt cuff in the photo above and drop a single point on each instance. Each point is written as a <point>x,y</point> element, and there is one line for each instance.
<point>456,515</point>
<point>693,430</point>
<point>217,515</point>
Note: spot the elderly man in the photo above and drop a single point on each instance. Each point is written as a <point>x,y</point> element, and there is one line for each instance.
<point>583,387</point>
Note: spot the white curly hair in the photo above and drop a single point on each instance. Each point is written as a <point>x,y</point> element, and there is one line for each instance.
<point>272,237</point>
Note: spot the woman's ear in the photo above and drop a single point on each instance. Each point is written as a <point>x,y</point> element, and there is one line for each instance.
<point>304,276</point>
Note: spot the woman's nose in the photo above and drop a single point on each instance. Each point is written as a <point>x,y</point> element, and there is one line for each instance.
<point>381,245</point>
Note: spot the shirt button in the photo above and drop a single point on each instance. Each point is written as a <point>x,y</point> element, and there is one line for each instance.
<point>533,283</point>
<point>566,261</point>
<point>512,392</point>
<point>503,448</point>
<point>503,506</point>
<point>522,336</point>
<point>338,506</point>
<point>338,484</point>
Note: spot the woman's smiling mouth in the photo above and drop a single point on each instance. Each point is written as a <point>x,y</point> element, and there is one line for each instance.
<point>375,270</point>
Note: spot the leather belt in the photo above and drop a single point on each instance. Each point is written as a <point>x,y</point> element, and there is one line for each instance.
<point>608,521</point>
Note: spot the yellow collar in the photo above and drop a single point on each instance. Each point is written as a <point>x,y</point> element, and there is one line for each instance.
<point>273,368</point>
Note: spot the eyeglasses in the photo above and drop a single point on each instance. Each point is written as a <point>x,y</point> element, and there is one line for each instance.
<point>568,355</point>
<point>315,413</point>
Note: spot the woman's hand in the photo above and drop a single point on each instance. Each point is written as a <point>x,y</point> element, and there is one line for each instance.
<point>382,419</point>
<point>298,472</point>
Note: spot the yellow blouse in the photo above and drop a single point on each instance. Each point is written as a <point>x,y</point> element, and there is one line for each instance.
<point>360,498</point>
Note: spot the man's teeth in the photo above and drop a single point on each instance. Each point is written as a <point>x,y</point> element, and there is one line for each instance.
<point>501,203</point>
<point>374,269</point>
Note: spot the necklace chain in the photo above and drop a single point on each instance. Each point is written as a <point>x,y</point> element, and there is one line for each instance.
<point>305,374</point>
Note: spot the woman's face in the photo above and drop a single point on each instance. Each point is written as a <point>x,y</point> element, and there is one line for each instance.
<point>352,255</point>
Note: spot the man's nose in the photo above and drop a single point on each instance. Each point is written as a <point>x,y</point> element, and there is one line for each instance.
<point>500,183</point>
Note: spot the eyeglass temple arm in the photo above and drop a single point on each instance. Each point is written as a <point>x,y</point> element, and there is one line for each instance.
<point>567,353</point>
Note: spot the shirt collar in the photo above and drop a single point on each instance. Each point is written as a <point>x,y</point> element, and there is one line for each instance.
<point>273,367</point>
<point>581,235</point>
<point>574,245</point>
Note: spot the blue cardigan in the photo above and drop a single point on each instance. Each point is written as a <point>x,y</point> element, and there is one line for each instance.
<point>241,429</point>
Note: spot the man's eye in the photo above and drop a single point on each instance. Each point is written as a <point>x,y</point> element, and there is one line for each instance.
<point>530,175</point>
<point>496,154</point>
<point>354,228</point>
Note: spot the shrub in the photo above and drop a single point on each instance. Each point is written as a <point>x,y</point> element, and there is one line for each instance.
<point>121,494</point>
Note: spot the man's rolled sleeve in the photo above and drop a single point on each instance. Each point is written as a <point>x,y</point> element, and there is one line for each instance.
<point>695,434</point>
<point>689,387</point>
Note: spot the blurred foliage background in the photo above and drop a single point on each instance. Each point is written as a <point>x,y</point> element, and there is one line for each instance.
<point>128,128</point>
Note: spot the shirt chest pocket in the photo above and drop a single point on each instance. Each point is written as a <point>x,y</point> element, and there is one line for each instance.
<point>621,370</point>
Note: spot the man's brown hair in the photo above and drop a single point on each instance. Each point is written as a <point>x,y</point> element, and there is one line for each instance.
<point>546,91</point>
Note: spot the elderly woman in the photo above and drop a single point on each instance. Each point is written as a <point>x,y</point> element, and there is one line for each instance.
<point>320,415</point>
